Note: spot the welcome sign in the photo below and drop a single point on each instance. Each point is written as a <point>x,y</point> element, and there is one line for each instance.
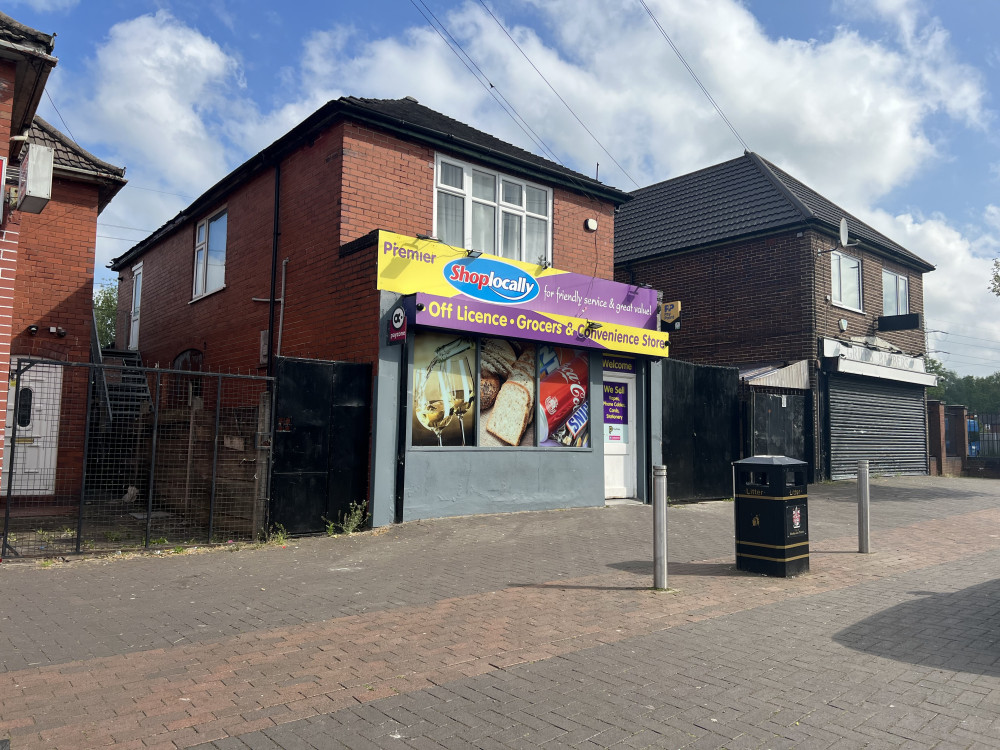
<point>407,265</point>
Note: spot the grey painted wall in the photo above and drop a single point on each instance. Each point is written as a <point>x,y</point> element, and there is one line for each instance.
<point>385,415</point>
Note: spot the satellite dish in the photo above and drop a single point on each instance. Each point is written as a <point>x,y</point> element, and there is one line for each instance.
<point>843,232</point>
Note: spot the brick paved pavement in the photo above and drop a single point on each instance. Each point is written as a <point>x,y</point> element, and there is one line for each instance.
<point>525,630</point>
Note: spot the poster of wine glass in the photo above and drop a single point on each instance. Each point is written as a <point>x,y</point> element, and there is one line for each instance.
<point>444,390</point>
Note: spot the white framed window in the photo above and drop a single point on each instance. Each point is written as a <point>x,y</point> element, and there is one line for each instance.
<point>479,209</point>
<point>133,328</point>
<point>209,255</point>
<point>895,294</point>
<point>845,272</point>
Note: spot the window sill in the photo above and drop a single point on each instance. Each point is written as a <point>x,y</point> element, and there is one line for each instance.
<point>842,306</point>
<point>206,294</point>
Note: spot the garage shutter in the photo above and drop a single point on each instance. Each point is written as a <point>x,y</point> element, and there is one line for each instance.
<point>883,422</point>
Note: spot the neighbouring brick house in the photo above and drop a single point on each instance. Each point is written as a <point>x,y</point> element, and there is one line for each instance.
<point>306,250</point>
<point>765,285</point>
<point>47,271</point>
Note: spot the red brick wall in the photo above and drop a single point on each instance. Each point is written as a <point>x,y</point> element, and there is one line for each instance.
<point>55,280</point>
<point>8,235</point>
<point>349,181</point>
<point>741,304</point>
<point>225,324</point>
<point>864,324</point>
<point>752,302</point>
<point>54,289</point>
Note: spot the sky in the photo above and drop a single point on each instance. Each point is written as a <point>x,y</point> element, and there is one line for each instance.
<point>886,107</point>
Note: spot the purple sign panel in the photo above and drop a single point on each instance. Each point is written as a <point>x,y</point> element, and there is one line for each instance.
<point>458,314</point>
<point>615,402</point>
<point>596,299</point>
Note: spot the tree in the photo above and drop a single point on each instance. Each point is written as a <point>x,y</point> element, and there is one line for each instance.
<point>995,281</point>
<point>105,311</point>
<point>946,379</point>
<point>979,394</point>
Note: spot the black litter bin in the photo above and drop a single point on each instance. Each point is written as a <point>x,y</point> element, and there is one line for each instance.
<point>772,518</point>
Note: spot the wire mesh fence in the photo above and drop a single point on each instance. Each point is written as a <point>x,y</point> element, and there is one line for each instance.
<point>114,457</point>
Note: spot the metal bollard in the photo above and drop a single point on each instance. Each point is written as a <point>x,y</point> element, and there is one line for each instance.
<point>863,508</point>
<point>660,527</point>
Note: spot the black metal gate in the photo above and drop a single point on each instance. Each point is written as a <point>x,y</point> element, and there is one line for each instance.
<point>878,421</point>
<point>700,429</point>
<point>778,425</point>
<point>321,442</point>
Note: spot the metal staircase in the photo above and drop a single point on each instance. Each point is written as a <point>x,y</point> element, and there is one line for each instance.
<point>125,385</point>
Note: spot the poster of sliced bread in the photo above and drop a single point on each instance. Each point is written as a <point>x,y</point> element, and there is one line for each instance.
<point>507,376</point>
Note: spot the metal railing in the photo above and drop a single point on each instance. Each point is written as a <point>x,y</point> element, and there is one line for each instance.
<point>984,435</point>
<point>186,462</point>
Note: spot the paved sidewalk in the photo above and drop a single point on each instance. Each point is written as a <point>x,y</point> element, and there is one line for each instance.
<point>527,630</point>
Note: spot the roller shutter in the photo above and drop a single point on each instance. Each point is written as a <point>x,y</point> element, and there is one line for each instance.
<point>878,420</point>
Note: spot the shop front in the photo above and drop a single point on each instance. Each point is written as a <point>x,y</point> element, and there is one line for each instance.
<point>506,385</point>
<point>875,409</point>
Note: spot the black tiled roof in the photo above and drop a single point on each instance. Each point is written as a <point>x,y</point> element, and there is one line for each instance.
<point>747,196</point>
<point>410,120</point>
<point>70,155</point>
<point>419,118</point>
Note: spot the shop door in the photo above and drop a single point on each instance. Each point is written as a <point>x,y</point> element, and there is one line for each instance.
<point>36,442</point>
<point>322,421</point>
<point>619,436</point>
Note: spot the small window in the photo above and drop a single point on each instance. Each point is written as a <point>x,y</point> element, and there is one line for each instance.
<point>210,255</point>
<point>895,294</point>
<point>24,407</point>
<point>845,272</point>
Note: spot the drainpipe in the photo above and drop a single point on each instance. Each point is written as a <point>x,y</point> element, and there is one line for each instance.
<point>274,269</point>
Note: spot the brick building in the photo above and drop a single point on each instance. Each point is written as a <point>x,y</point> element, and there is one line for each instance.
<point>765,284</point>
<point>49,234</point>
<point>306,251</point>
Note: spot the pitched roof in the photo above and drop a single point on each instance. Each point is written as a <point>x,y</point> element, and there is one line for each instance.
<point>70,157</point>
<point>420,119</point>
<point>747,196</point>
<point>408,119</point>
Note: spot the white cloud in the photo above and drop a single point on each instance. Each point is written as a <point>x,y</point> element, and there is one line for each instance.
<point>956,295</point>
<point>850,116</point>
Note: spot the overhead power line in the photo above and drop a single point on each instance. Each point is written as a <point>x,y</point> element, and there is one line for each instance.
<point>697,80</point>
<point>61,119</point>
<point>565,104</point>
<point>483,79</point>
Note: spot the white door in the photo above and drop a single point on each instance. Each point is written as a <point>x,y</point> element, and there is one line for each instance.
<point>619,435</point>
<point>36,440</point>
<point>133,331</point>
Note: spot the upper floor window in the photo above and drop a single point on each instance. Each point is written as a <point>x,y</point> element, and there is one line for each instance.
<point>482,210</point>
<point>895,294</point>
<point>845,272</point>
<point>210,255</point>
